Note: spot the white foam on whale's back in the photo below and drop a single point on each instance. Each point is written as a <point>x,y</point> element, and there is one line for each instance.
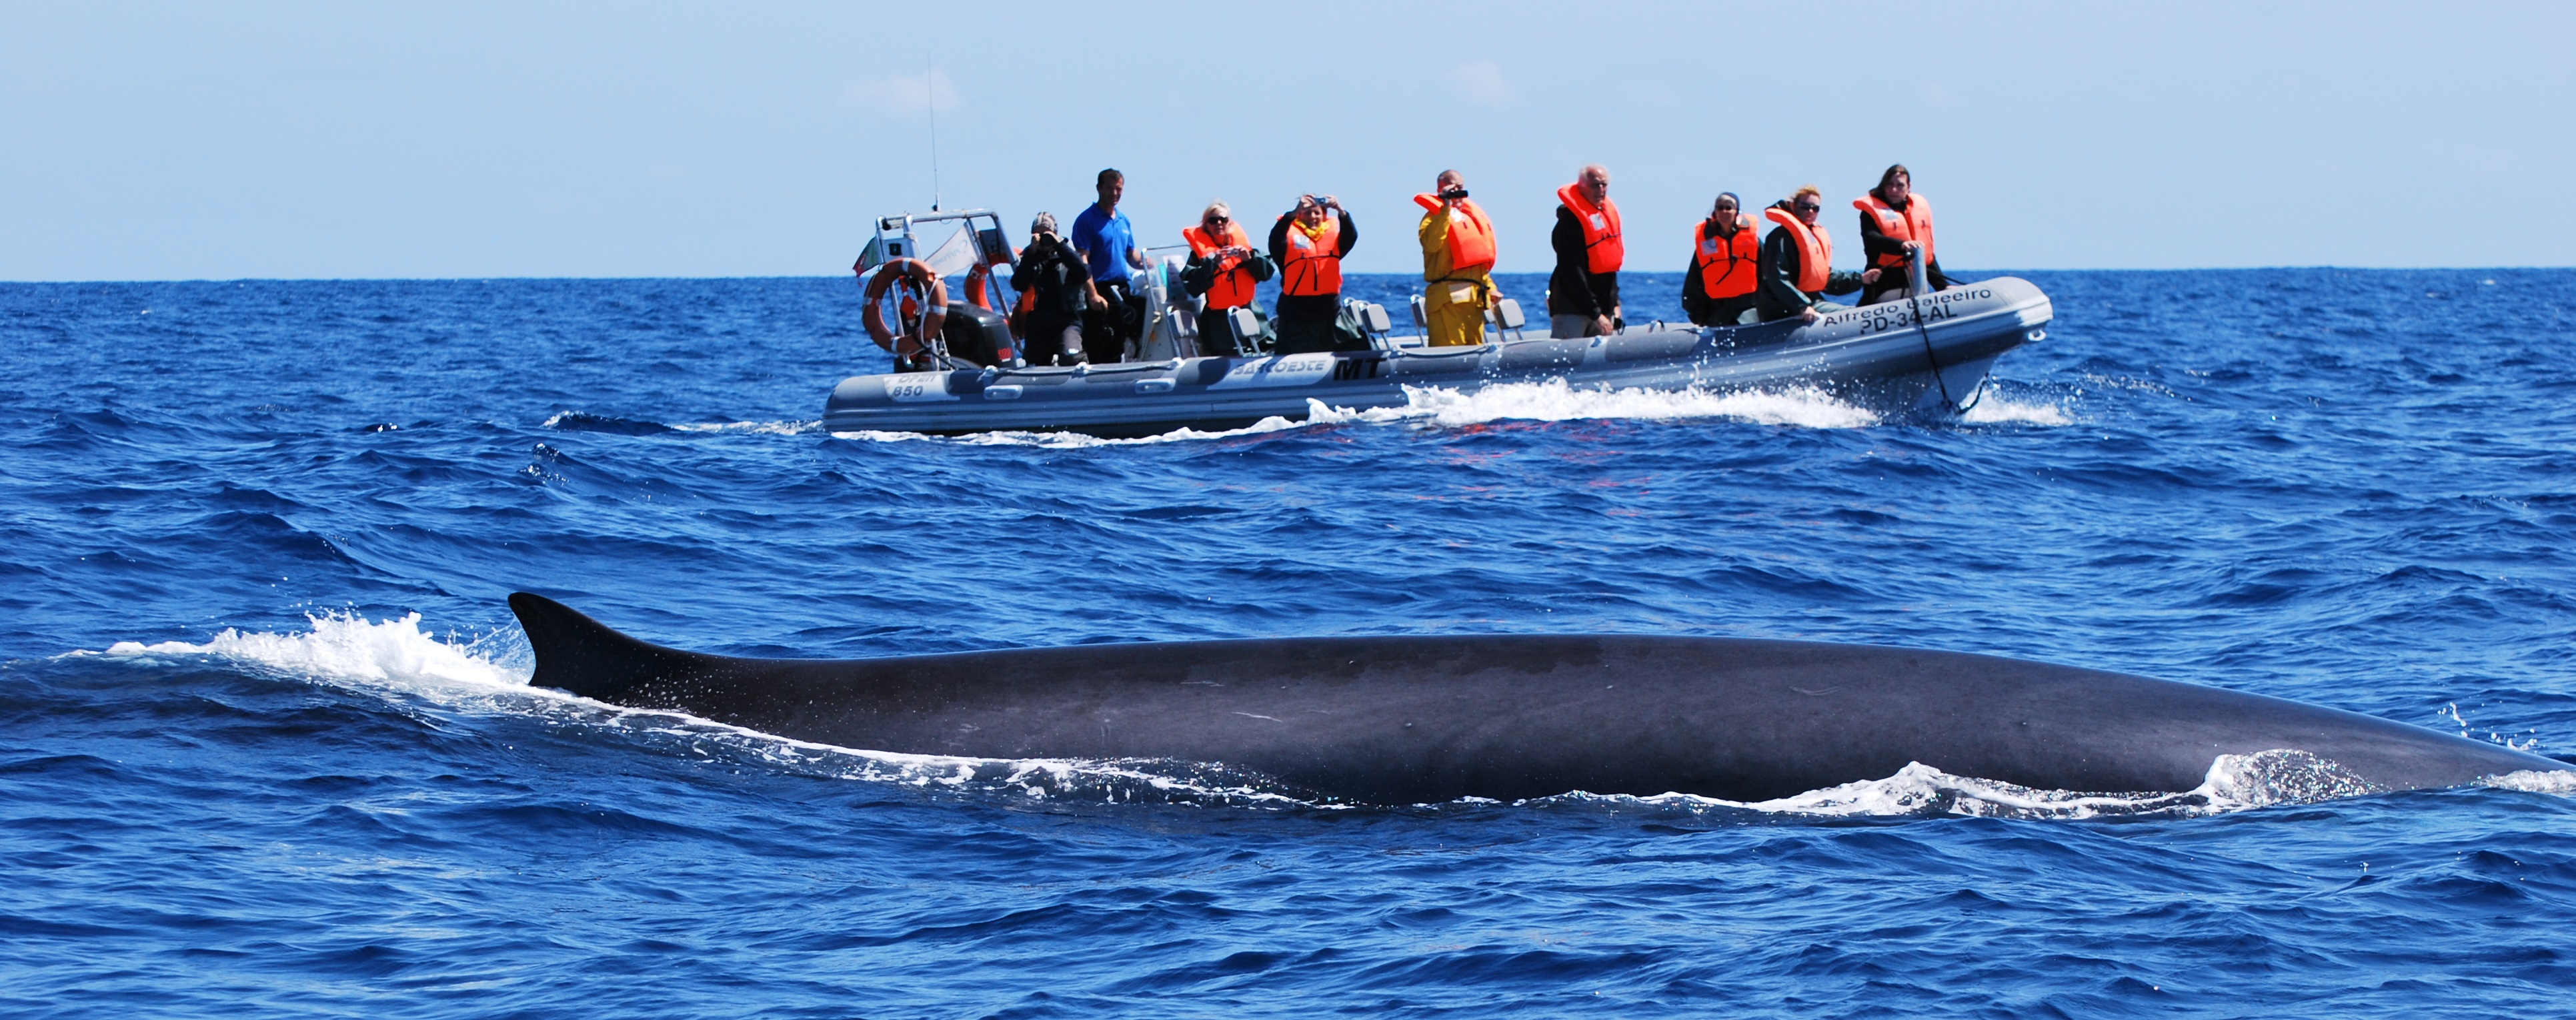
<point>772,428</point>
<point>489,673</point>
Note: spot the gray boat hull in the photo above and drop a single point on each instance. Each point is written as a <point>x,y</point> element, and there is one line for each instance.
<point>1905,355</point>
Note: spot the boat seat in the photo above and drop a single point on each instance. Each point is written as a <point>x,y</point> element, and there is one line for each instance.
<point>1237,335</point>
<point>1369,321</point>
<point>1506,316</point>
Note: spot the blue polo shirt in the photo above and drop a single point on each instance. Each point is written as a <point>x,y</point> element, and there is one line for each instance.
<point>1104,239</point>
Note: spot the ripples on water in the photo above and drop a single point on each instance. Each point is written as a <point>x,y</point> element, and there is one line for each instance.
<point>266,787</point>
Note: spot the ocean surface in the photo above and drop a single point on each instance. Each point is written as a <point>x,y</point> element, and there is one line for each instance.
<point>267,748</point>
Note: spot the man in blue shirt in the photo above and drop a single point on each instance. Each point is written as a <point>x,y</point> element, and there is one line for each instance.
<point>1108,245</point>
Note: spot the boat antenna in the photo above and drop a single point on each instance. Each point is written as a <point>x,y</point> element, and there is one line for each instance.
<point>930,95</point>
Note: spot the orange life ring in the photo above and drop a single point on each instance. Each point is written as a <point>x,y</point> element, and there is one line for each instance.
<point>918,280</point>
<point>979,291</point>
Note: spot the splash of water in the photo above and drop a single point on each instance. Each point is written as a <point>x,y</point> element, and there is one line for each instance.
<point>1996,409</point>
<point>770,428</point>
<point>1556,400</point>
<point>346,647</point>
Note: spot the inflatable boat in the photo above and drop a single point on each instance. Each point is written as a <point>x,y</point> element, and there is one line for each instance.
<point>1926,353</point>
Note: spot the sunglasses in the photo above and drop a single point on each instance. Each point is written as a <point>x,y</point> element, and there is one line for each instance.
<point>1219,219</point>
<point>1810,206</point>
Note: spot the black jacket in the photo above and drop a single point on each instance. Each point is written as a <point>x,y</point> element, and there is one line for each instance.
<point>1779,297</point>
<point>1573,289</point>
<point>1198,276</point>
<point>1054,273</point>
<point>1875,242</point>
<point>1279,236</point>
<point>1695,299</point>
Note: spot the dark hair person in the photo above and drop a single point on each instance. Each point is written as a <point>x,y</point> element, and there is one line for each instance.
<point>1896,226</point>
<point>1309,242</point>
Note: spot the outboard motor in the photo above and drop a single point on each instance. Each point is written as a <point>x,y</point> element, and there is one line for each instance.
<point>1167,304</point>
<point>979,335</point>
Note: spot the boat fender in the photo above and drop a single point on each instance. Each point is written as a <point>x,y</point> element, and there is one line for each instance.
<point>918,279</point>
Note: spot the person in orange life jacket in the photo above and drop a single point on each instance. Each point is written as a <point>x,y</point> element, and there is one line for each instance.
<point>1223,269</point>
<point>1059,286</point>
<point>1310,242</point>
<point>1894,224</point>
<point>1725,251</point>
<point>1796,268</point>
<point>1108,245</point>
<point>1457,263</point>
<point>1583,293</point>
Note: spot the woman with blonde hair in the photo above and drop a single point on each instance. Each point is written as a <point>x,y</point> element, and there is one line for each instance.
<point>1222,272</point>
<point>1797,264</point>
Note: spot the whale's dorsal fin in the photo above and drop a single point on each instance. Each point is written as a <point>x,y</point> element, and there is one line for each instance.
<point>586,657</point>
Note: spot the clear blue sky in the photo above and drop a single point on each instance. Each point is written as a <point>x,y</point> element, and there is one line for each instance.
<point>533,139</point>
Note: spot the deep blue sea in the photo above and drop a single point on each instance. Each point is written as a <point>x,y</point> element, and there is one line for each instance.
<point>267,748</point>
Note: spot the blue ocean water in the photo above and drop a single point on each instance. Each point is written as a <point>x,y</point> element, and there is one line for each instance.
<point>266,747</point>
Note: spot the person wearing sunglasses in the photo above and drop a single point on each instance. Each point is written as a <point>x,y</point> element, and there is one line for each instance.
<point>1309,243</point>
<point>1796,269</point>
<point>1222,272</point>
<point>1726,253</point>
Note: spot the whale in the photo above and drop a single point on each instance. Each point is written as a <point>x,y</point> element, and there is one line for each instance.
<point>1400,720</point>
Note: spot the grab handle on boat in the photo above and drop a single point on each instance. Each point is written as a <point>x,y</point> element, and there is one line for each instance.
<point>1917,281</point>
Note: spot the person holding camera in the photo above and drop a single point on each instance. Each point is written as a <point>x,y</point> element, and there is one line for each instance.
<point>1309,242</point>
<point>1457,263</point>
<point>1060,291</point>
<point>1223,271</point>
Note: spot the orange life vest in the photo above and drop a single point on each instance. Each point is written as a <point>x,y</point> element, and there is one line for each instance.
<point>1603,250</point>
<point>1726,264</point>
<point>1815,249</point>
<point>1914,224</point>
<point>1313,265</point>
<point>1233,285</point>
<point>1471,235</point>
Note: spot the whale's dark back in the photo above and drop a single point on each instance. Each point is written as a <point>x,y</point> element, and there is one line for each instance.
<point>1424,719</point>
